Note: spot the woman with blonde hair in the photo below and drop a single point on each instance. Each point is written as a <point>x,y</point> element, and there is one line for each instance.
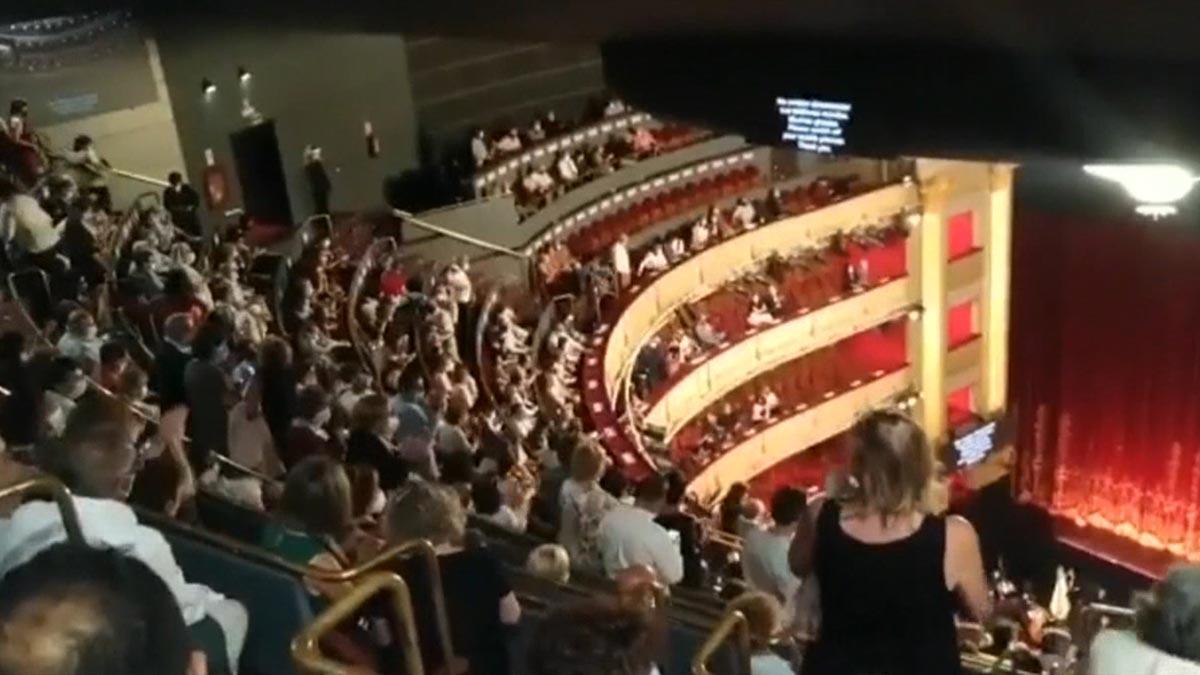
<point>764,623</point>
<point>472,579</point>
<point>878,556</point>
<point>583,504</point>
<point>550,562</point>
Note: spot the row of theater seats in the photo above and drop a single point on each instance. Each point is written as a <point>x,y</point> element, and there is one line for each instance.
<point>601,234</point>
<point>223,554</point>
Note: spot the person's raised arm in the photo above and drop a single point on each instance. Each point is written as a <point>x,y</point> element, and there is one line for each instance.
<point>964,568</point>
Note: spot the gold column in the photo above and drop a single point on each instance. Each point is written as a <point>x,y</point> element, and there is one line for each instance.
<point>934,191</point>
<point>997,280</point>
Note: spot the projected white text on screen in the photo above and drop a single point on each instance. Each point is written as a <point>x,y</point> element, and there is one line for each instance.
<point>814,125</point>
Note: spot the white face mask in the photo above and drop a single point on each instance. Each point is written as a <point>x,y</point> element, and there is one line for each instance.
<point>322,418</point>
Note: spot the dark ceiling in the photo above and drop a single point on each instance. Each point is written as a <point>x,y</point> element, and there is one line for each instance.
<point>1005,79</point>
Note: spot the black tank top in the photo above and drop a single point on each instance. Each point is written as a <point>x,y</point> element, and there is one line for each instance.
<point>885,609</point>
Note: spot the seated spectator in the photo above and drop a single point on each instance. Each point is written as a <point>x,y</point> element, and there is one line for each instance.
<point>654,261</point>
<point>614,107</point>
<point>927,561</point>
<point>760,313</point>
<point>644,143</point>
<point>766,404</point>
<point>763,620</point>
<point>774,209</point>
<point>73,609</point>
<point>488,502</point>
<point>114,359</point>
<point>707,335</point>
<point>594,637</point>
<point>369,442</point>
<point>314,523</point>
<point>700,234</point>
<point>450,437</point>
<point>765,549</point>
<point>95,459</point>
<point>1166,635</point>
<point>690,533</point>
<point>29,228</point>
<point>309,435</point>
<point>80,342</point>
<point>568,170</point>
<point>629,536</point>
<point>676,250</point>
<point>549,562</point>
<point>65,384</point>
<point>744,215</point>
<point>479,600</point>
<point>509,143</point>
<point>537,181</point>
<point>536,133</point>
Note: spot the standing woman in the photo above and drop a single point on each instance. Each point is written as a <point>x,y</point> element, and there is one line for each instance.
<point>209,394</point>
<point>889,573</point>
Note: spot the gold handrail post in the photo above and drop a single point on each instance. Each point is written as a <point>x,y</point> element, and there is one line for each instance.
<point>306,649</point>
<point>62,498</point>
<point>732,621</point>
<point>421,548</point>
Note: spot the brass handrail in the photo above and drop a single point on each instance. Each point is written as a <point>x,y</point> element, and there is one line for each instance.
<point>458,236</point>
<point>732,621</point>
<point>46,484</point>
<point>420,547</point>
<point>306,649</point>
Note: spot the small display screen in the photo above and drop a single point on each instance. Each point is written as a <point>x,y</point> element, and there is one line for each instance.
<point>814,125</point>
<point>973,446</point>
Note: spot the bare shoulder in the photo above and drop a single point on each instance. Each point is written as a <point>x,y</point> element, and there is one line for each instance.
<point>959,530</point>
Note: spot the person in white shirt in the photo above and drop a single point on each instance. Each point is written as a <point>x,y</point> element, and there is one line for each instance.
<point>653,262</point>
<point>765,550</point>
<point>765,405</point>
<point>568,171</point>
<point>699,235</point>
<point>461,290</point>
<point>620,261</point>
<point>760,314</point>
<point>25,223</point>
<point>80,341</point>
<point>510,142</point>
<point>1166,635</point>
<point>614,107</point>
<point>676,250</point>
<point>479,148</point>
<point>706,334</point>
<point>95,459</point>
<point>536,133</point>
<point>67,384</point>
<point>629,536</point>
<point>744,214</point>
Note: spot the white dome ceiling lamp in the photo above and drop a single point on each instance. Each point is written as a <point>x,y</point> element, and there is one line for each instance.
<point>1155,187</point>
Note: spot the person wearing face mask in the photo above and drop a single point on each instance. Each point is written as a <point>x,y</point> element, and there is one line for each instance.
<point>209,394</point>
<point>66,384</point>
<point>95,457</point>
<point>81,342</point>
<point>308,436</point>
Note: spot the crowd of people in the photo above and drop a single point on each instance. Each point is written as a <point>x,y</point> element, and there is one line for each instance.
<point>162,370</point>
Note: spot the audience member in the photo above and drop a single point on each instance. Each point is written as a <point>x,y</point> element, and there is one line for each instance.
<point>864,585</point>
<point>549,562</point>
<point>629,535</point>
<point>80,341</point>
<point>369,442</point>
<point>77,610</point>
<point>472,579</point>
<point>765,549</point>
<point>763,620</point>
<point>690,532</point>
<point>1166,635</point>
<point>583,505</point>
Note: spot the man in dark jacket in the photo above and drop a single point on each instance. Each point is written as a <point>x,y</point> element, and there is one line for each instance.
<point>318,179</point>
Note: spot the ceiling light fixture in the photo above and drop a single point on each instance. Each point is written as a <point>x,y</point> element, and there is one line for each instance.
<point>1155,187</point>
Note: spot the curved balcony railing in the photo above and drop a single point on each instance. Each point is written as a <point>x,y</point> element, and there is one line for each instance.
<point>804,428</point>
<point>493,173</point>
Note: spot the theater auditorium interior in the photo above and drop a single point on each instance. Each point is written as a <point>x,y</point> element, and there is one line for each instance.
<point>564,338</point>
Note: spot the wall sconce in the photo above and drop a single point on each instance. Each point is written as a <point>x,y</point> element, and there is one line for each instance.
<point>208,87</point>
<point>243,75</point>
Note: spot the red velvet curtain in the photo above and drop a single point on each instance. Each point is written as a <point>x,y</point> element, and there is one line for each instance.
<point>1105,374</point>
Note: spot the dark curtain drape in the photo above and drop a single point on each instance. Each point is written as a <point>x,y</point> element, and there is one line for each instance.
<point>1105,374</point>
